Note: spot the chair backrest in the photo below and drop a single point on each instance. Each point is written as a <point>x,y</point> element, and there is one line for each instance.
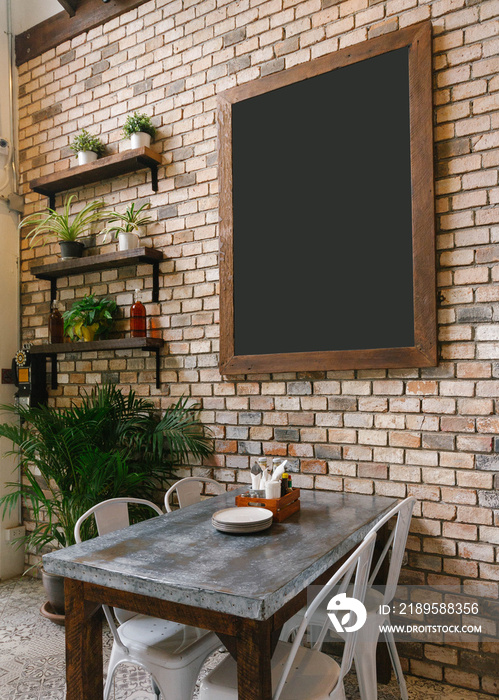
<point>109,516</point>
<point>358,564</point>
<point>112,515</point>
<point>396,542</point>
<point>188,491</point>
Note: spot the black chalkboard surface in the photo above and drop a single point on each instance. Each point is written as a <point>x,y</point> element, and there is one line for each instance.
<point>322,227</point>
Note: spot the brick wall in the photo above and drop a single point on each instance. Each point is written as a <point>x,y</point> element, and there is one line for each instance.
<point>430,433</point>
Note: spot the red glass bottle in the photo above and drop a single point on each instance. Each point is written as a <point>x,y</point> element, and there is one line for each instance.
<point>137,318</point>
<point>56,325</point>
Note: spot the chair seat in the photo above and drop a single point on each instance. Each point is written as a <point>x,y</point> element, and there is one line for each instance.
<point>166,643</point>
<point>312,677</point>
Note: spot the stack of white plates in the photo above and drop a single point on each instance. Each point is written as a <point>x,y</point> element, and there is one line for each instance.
<point>242,520</point>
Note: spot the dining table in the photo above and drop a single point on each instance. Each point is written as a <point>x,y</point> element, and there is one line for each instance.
<point>178,567</point>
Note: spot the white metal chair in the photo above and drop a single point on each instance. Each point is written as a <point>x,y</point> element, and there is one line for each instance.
<point>171,653</point>
<point>299,673</point>
<point>188,491</point>
<point>365,654</point>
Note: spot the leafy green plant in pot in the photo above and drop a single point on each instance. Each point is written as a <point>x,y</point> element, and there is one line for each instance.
<point>106,446</point>
<point>89,318</point>
<point>63,227</point>
<point>127,226</point>
<point>139,128</point>
<point>87,147</point>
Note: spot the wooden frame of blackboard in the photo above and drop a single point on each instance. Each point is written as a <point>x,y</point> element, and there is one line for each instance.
<point>424,351</point>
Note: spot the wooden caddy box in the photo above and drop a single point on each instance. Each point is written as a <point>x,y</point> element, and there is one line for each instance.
<point>282,507</point>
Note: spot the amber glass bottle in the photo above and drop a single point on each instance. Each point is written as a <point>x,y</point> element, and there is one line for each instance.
<point>137,318</point>
<point>56,325</point>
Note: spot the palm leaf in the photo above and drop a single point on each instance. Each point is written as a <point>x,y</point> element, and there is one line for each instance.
<point>108,444</point>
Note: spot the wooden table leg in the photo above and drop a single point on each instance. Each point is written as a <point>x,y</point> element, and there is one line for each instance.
<point>84,676</point>
<point>254,653</point>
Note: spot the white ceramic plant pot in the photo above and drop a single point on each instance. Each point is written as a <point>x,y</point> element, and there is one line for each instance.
<point>85,157</point>
<point>127,241</point>
<point>140,139</point>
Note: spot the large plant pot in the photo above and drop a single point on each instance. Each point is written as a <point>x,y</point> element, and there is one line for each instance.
<point>127,241</point>
<point>71,249</point>
<point>47,611</point>
<point>140,139</point>
<point>54,588</point>
<point>85,157</point>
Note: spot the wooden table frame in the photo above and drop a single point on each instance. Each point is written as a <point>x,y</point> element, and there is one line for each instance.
<point>250,642</point>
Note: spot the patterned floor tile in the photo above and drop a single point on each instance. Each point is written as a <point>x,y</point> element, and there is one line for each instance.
<point>32,658</point>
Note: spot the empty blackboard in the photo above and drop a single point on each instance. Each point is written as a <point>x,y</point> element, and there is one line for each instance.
<point>327,237</point>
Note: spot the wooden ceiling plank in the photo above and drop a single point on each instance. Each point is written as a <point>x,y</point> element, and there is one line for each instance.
<point>69,6</point>
<point>60,28</point>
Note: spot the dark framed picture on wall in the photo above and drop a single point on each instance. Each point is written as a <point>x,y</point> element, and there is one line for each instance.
<point>327,257</point>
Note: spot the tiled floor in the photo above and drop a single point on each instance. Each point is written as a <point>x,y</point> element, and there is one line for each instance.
<point>32,657</point>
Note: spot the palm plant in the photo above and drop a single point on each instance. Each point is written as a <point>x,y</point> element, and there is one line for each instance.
<point>60,225</point>
<point>110,445</point>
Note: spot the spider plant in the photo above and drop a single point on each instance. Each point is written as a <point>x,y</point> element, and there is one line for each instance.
<point>128,222</point>
<point>108,445</point>
<point>60,225</point>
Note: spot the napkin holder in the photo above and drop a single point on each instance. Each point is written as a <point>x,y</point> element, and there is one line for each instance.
<point>282,507</point>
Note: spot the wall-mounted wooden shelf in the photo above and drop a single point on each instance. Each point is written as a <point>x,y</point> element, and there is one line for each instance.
<point>109,344</point>
<point>53,349</point>
<point>92,263</point>
<point>101,169</point>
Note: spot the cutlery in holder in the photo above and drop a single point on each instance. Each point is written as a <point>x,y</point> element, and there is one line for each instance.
<point>282,507</point>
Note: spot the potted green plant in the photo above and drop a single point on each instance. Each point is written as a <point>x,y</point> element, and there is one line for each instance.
<point>127,226</point>
<point>107,445</point>
<point>87,147</point>
<point>139,128</point>
<point>89,318</point>
<point>63,227</point>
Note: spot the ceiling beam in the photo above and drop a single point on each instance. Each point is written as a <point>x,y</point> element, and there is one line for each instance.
<point>69,6</point>
<point>60,28</point>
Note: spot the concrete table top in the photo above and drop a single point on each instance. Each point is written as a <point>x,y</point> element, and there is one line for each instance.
<point>180,557</point>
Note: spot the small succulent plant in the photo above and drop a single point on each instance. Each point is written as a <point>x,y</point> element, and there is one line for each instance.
<point>136,123</point>
<point>87,142</point>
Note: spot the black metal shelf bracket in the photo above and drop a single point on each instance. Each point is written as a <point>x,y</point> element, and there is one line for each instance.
<point>53,381</point>
<point>158,370</point>
<point>154,177</point>
<point>153,167</point>
<point>155,281</point>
